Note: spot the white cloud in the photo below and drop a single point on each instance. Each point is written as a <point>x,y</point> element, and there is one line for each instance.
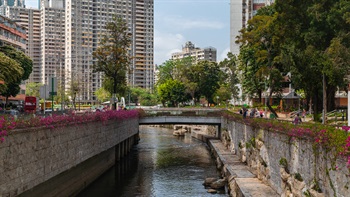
<point>165,44</point>
<point>191,23</point>
<point>223,54</point>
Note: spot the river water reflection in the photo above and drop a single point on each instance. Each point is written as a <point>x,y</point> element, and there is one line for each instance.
<point>160,165</point>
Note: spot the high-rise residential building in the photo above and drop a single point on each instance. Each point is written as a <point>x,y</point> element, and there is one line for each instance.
<point>12,34</point>
<point>143,48</point>
<point>10,3</point>
<point>52,41</point>
<point>69,32</point>
<point>240,12</point>
<point>189,50</point>
<point>85,22</point>
<point>30,20</point>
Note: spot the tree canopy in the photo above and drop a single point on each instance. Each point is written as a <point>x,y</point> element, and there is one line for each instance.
<point>112,55</point>
<point>309,39</point>
<point>15,68</point>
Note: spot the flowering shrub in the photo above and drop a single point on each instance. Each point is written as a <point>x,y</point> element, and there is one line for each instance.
<point>328,137</point>
<point>8,123</point>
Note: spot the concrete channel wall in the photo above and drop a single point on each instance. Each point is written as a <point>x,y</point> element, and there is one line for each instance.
<point>307,172</point>
<point>62,161</point>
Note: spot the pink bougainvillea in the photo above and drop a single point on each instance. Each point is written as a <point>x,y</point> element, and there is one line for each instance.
<point>8,123</point>
<point>329,137</point>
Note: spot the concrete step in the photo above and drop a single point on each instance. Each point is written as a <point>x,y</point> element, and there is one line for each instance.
<point>242,181</point>
<point>253,187</point>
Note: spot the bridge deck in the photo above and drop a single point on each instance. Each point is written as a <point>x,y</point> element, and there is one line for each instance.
<point>180,120</point>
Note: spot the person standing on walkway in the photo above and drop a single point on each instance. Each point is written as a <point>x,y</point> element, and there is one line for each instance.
<point>297,120</point>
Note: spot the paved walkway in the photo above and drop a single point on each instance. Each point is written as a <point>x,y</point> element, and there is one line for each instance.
<point>242,181</point>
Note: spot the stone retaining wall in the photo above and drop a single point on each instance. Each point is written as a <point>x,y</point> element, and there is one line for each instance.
<point>263,150</point>
<point>32,156</point>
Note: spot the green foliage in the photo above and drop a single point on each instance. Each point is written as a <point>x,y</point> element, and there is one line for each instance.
<point>112,55</point>
<point>172,91</point>
<point>318,45</point>
<point>142,96</point>
<point>207,76</point>
<point>252,141</point>
<point>102,94</point>
<point>316,186</point>
<point>229,78</point>
<point>24,61</point>
<point>15,67</point>
<point>10,72</point>
<point>33,89</point>
<point>283,162</point>
<point>222,94</point>
<point>298,177</point>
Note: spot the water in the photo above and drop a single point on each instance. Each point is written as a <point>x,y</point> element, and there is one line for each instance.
<point>160,165</point>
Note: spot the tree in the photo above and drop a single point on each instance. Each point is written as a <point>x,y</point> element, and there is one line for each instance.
<point>222,94</point>
<point>10,72</point>
<point>113,53</point>
<point>142,96</point>
<point>172,91</point>
<point>26,64</point>
<point>102,94</point>
<point>74,90</point>
<point>317,49</point>
<point>261,37</point>
<point>33,89</point>
<point>174,69</point>
<point>230,75</point>
<point>206,75</point>
<point>24,61</point>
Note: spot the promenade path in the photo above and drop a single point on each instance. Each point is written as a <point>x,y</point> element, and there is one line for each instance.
<point>242,180</point>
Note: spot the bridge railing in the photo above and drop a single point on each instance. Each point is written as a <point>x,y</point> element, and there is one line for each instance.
<point>183,112</point>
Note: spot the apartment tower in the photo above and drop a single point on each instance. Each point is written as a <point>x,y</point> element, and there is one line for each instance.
<point>85,22</point>
<point>10,3</point>
<point>30,20</point>
<point>52,41</point>
<point>240,12</point>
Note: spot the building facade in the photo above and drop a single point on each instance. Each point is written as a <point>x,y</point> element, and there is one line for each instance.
<point>52,41</point>
<point>63,34</point>
<point>10,3</point>
<point>30,20</point>
<point>85,22</point>
<point>12,34</point>
<point>143,47</point>
<point>198,54</point>
<point>240,12</point>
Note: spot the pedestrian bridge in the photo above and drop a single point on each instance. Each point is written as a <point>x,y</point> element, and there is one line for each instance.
<point>182,116</point>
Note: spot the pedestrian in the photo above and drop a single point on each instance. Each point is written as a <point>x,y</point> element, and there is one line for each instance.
<point>297,120</point>
<point>245,111</point>
<point>261,113</point>
<point>252,113</point>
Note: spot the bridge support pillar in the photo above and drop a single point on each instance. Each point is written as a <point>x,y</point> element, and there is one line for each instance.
<point>117,152</point>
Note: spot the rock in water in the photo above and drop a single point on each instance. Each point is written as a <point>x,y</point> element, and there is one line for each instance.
<point>209,181</point>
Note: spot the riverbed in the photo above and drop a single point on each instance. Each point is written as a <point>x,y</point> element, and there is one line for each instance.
<point>160,165</point>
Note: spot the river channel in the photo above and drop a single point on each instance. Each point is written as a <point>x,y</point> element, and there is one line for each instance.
<point>160,165</point>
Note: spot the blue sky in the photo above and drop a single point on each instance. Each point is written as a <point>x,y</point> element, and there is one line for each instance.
<point>203,22</point>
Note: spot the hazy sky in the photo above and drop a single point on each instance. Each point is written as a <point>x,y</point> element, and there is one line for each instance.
<point>203,22</point>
